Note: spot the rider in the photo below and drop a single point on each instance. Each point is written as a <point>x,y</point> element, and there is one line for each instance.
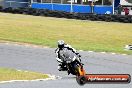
<point>61,46</point>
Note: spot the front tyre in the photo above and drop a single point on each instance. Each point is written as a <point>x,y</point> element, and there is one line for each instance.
<point>81,80</point>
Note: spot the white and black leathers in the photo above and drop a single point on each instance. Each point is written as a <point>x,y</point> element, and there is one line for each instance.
<point>58,58</point>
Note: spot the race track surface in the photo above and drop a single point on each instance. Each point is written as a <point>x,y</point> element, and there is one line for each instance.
<point>43,60</point>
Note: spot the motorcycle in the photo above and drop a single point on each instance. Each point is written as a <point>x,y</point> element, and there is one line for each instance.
<point>72,63</point>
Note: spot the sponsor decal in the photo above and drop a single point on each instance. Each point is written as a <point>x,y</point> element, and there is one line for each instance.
<point>104,78</point>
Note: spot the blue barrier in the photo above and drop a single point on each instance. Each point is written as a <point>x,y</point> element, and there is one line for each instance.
<point>42,6</point>
<point>76,8</point>
<point>103,9</point>
<point>81,8</point>
<point>62,7</point>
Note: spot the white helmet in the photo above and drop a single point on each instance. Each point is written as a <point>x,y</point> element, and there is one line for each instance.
<point>61,43</point>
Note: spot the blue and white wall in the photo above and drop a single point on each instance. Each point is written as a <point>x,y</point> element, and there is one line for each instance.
<point>75,8</point>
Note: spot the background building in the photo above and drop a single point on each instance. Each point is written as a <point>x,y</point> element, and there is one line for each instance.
<point>14,3</point>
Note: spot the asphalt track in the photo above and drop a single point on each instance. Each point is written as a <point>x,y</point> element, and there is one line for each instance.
<point>43,60</point>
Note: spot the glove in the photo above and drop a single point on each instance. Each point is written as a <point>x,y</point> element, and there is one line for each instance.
<point>78,54</point>
<point>59,60</point>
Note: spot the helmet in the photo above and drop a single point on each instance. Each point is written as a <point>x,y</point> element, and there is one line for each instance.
<point>61,44</point>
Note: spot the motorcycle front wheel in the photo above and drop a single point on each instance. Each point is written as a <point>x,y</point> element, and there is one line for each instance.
<point>81,80</point>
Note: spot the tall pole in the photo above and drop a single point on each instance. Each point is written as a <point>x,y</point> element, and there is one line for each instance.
<point>81,2</point>
<point>71,7</point>
<point>61,1</point>
<point>52,4</point>
<point>102,2</point>
<point>92,6</point>
<point>31,1</point>
<point>10,4</point>
<point>113,6</point>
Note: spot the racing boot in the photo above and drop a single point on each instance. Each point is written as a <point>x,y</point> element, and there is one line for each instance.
<point>68,72</point>
<point>62,67</point>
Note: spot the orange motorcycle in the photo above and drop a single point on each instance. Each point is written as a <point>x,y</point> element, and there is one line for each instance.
<point>72,63</point>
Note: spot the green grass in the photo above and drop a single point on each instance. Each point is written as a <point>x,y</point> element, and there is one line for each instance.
<point>84,35</point>
<point>12,74</point>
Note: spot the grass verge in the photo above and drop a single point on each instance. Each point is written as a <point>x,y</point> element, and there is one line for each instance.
<point>12,74</point>
<point>84,35</point>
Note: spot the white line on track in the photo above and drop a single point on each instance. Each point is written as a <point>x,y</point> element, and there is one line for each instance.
<point>51,77</point>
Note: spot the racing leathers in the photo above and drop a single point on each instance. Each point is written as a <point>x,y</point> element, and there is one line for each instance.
<point>61,66</point>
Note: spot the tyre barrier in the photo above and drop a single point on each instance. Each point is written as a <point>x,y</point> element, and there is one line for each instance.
<point>1,8</point>
<point>62,14</point>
